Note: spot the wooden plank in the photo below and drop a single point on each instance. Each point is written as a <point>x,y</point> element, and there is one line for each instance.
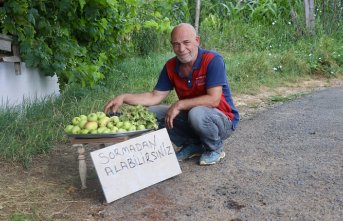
<point>6,37</point>
<point>5,42</point>
<point>98,140</point>
<point>11,59</point>
<point>5,45</point>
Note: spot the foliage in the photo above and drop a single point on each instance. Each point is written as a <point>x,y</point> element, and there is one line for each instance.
<point>81,40</point>
<point>251,10</point>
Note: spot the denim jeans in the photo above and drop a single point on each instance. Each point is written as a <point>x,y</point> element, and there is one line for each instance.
<point>204,126</point>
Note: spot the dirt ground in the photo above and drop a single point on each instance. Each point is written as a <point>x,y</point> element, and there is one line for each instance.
<point>50,188</point>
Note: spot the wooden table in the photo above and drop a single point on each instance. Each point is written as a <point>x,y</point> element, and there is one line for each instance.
<point>80,144</point>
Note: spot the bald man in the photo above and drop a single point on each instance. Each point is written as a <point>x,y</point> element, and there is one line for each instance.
<point>204,115</point>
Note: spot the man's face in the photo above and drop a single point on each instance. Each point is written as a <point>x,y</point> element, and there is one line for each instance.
<point>185,44</point>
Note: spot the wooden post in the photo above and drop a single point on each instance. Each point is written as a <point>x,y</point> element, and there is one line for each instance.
<point>309,15</point>
<point>81,143</point>
<point>17,68</point>
<point>197,15</point>
<point>82,164</point>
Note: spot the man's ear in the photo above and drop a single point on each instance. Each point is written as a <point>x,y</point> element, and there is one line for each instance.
<point>197,39</point>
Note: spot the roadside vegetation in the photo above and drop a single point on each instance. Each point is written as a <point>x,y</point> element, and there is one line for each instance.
<point>260,42</point>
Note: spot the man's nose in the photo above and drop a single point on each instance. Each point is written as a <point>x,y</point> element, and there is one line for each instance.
<point>182,47</point>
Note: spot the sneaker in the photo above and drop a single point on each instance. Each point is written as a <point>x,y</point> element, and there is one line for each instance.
<point>189,151</point>
<point>211,157</point>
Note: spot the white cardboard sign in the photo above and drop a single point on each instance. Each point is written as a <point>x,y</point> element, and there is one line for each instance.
<point>137,163</point>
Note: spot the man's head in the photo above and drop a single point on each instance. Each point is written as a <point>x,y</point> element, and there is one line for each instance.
<point>185,42</point>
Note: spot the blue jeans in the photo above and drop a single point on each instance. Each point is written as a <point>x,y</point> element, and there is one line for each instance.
<point>200,125</point>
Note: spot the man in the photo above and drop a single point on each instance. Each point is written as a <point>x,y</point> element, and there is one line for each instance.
<point>204,116</point>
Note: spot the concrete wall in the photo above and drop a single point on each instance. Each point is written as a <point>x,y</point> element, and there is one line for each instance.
<point>29,85</point>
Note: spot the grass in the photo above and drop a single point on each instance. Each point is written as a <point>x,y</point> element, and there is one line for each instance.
<point>278,98</point>
<point>253,59</point>
<point>17,216</point>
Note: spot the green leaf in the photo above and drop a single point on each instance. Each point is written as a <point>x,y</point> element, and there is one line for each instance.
<point>82,4</point>
<point>151,23</point>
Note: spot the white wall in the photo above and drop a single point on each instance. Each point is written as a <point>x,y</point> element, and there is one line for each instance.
<point>30,85</point>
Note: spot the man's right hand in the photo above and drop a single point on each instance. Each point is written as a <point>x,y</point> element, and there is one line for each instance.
<point>146,99</point>
<point>114,104</point>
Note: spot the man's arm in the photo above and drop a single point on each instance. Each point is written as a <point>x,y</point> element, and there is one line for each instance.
<point>146,99</point>
<point>211,99</point>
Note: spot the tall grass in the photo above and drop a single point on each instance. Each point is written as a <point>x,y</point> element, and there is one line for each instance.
<point>256,54</point>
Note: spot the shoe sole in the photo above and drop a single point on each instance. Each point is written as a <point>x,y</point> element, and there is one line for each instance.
<point>222,156</point>
<point>191,156</point>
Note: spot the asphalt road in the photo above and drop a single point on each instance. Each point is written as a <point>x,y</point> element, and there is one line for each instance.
<point>284,163</point>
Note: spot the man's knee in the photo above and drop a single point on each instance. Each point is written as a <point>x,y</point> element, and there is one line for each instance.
<point>197,115</point>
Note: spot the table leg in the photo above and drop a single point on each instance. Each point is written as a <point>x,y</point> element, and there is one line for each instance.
<point>82,164</point>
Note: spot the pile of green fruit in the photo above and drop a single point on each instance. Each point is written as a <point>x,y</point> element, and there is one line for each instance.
<point>132,118</point>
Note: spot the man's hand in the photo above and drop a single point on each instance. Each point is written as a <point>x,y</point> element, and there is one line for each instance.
<point>172,112</point>
<point>114,104</point>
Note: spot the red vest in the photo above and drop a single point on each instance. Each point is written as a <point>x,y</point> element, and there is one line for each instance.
<point>197,86</point>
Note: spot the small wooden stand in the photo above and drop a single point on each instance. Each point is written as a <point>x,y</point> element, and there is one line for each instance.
<point>80,144</point>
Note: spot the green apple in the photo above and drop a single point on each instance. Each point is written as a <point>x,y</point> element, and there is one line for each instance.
<point>127,125</point>
<point>101,130</point>
<point>93,131</point>
<point>107,131</point>
<point>100,114</point>
<point>141,127</point>
<point>132,128</point>
<point>104,121</point>
<point>76,130</point>
<point>82,123</point>
<point>110,125</point>
<point>115,119</point>
<point>121,130</point>
<point>91,125</point>
<point>76,120</point>
<point>84,131</point>
<point>83,117</point>
<point>68,128</point>
<point>93,117</point>
<point>120,124</point>
<point>114,129</point>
